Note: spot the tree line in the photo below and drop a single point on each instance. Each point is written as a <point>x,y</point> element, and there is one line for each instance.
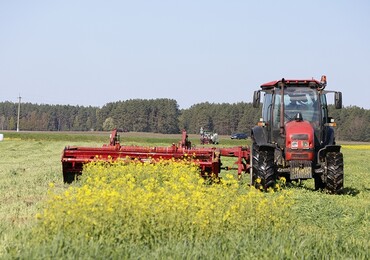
<point>162,116</point>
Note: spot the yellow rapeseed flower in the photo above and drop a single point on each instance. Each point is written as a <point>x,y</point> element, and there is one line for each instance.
<point>141,200</point>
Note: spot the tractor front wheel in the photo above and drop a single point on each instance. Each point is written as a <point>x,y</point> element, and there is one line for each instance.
<point>334,174</point>
<point>263,168</point>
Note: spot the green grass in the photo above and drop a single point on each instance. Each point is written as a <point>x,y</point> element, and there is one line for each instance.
<point>321,226</point>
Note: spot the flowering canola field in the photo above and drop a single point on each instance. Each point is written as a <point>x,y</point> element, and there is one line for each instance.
<point>356,146</point>
<point>146,203</point>
<point>166,211</point>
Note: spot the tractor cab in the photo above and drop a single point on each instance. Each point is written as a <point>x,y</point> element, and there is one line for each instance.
<point>284,100</point>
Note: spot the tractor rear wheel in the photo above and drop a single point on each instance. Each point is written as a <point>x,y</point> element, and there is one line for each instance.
<point>334,174</point>
<point>263,168</point>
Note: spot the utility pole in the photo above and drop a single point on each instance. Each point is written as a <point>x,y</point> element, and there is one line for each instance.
<point>19,110</point>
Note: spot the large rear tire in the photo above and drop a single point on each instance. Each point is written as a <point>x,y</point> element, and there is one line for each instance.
<point>335,173</point>
<point>263,167</point>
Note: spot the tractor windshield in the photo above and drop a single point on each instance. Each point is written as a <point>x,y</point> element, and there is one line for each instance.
<point>297,99</point>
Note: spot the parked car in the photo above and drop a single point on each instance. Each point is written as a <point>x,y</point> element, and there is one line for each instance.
<point>239,136</point>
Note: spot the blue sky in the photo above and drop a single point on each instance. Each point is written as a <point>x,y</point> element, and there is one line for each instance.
<point>93,52</point>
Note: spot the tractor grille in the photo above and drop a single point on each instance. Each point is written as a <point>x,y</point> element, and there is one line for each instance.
<point>300,170</point>
<point>300,137</point>
<point>300,155</point>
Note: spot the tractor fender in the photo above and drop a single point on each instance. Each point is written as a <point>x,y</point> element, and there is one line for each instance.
<point>327,149</point>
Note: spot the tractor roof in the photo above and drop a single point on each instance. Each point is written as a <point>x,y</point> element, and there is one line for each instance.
<point>313,83</point>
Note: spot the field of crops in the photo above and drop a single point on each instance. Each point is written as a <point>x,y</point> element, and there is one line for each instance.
<point>166,211</point>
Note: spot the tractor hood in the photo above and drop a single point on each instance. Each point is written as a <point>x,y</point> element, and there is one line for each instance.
<point>299,140</point>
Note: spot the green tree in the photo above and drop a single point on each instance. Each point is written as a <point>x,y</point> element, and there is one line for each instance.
<point>11,124</point>
<point>2,122</point>
<point>108,124</point>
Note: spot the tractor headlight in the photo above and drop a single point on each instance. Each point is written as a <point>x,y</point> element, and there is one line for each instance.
<point>295,145</point>
<point>305,145</point>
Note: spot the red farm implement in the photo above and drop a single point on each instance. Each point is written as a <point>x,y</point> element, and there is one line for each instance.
<point>208,159</point>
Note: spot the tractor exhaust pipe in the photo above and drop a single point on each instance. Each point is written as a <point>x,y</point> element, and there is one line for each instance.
<point>282,87</point>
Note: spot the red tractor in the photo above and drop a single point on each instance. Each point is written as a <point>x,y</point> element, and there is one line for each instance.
<point>295,137</point>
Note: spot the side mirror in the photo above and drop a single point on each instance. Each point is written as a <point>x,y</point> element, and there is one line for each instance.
<point>338,100</point>
<point>256,99</point>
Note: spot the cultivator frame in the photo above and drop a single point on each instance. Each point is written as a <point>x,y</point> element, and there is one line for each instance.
<point>208,158</point>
